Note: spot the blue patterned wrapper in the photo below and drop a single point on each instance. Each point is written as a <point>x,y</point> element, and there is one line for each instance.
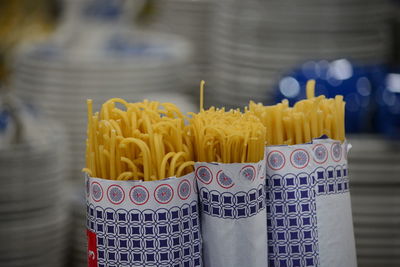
<point>308,205</point>
<point>233,213</point>
<point>134,223</point>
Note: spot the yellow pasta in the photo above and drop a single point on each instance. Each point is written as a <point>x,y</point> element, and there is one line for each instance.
<point>226,136</point>
<point>149,140</point>
<point>202,95</point>
<point>310,89</point>
<point>140,141</point>
<point>308,119</point>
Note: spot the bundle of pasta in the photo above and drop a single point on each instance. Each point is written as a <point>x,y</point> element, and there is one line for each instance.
<point>144,142</point>
<point>230,172</point>
<point>308,119</point>
<point>130,154</point>
<point>308,199</point>
<point>227,136</point>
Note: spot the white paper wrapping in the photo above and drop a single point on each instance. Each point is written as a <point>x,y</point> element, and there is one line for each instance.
<point>233,214</point>
<point>134,223</point>
<point>308,205</point>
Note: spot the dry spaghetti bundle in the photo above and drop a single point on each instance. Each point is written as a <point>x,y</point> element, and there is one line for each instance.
<point>227,136</point>
<point>131,149</point>
<point>308,119</point>
<point>230,165</point>
<point>303,168</point>
<point>142,141</point>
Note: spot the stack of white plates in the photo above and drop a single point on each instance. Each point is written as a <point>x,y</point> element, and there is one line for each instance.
<point>37,240</point>
<point>78,249</point>
<point>60,75</point>
<point>33,210</point>
<point>189,19</point>
<point>255,42</point>
<point>375,191</point>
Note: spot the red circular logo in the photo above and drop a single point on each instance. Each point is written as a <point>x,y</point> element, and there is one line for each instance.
<point>204,174</point>
<point>320,153</point>
<point>248,172</point>
<point>184,189</point>
<point>139,195</point>
<point>115,194</point>
<point>276,160</point>
<point>336,151</point>
<point>224,180</point>
<point>299,158</point>
<point>97,191</point>
<point>163,193</point>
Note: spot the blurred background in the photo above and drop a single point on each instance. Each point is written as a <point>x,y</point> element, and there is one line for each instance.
<point>54,54</point>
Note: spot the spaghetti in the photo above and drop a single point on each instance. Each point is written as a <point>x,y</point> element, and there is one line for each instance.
<point>308,119</point>
<point>226,136</point>
<point>142,141</point>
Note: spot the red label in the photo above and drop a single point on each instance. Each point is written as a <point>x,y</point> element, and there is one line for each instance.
<point>92,249</point>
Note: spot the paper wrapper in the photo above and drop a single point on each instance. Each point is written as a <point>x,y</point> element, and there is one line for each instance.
<point>308,205</point>
<point>133,223</point>
<point>233,213</point>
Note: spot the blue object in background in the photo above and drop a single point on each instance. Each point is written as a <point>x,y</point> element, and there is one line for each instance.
<point>341,77</point>
<point>104,9</point>
<point>388,100</point>
<point>4,119</point>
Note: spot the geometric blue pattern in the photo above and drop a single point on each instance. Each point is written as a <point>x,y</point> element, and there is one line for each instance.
<point>163,237</point>
<point>291,220</point>
<point>227,205</point>
<point>332,180</point>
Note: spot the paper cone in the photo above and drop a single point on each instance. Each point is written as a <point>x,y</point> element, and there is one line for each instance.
<point>132,223</point>
<point>308,205</point>
<point>233,214</point>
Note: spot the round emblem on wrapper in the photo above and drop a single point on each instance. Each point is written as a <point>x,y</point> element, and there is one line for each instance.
<point>204,174</point>
<point>299,158</point>
<point>115,194</point>
<point>276,160</point>
<point>224,180</point>
<point>336,151</point>
<point>139,195</point>
<point>320,153</point>
<point>97,191</point>
<point>184,189</point>
<point>163,193</point>
<point>248,172</point>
